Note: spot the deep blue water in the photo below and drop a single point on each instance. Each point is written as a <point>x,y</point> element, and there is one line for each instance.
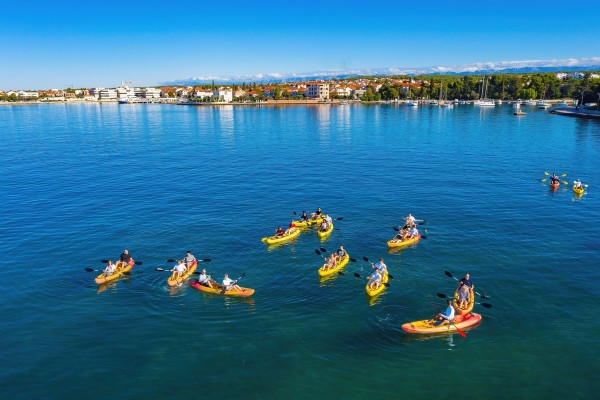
<point>80,183</point>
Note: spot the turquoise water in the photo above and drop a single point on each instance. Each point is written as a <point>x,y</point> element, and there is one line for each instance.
<point>80,183</point>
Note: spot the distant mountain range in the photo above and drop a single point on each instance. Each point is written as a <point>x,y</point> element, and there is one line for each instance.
<point>501,67</point>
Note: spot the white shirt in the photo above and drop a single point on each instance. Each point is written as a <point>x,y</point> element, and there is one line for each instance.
<point>380,267</point>
<point>111,268</point>
<point>180,267</point>
<point>203,278</point>
<point>227,282</point>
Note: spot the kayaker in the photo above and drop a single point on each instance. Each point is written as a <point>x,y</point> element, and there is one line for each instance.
<point>341,253</point>
<point>317,214</point>
<point>412,233</point>
<point>323,227</point>
<point>578,184</point>
<point>279,232</point>
<point>554,178</point>
<point>304,216</point>
<point>204,279</point>
<point>375,280</point>
<point>446,318</point>
<point>410,221</point>
<point>110,269</point>
<point>401,234</point>
<point>189,259</point>
<point>178,270</point>
<point>463,297</point>
<point>330,262</point>
<point>466,281</point>
<point>380,266</point>
<point>329,220</point>
<point>125,257</point>
<point>230,284</point>
<point>290,228</point>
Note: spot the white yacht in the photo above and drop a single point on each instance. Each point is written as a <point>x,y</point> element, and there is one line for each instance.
<point>483,100</point>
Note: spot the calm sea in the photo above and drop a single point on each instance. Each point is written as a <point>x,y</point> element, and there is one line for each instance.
<point>80,183</point>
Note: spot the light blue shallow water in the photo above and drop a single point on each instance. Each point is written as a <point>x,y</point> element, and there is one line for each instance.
<point>80,183</point>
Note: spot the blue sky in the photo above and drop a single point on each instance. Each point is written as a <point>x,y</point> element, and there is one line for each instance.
<point>55,44</point>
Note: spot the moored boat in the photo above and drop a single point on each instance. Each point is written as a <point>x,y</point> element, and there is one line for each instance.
<point>375,292</point>
<point>470,304</point>
<point>395,244</point>
<point>424,327</point>
<point>120,271</point>
<point>293,233</point>
<point>189,271</point>
<point>218,289</point>
<point>338,267</point>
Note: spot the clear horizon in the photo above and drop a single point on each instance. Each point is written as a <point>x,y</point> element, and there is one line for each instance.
<point>58,45</point>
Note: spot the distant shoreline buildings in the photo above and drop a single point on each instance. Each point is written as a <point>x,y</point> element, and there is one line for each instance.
<point>360,88</point>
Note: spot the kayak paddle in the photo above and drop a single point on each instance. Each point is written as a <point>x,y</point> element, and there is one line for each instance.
<point>448,274</point>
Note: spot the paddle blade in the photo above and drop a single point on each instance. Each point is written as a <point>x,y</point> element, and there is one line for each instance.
<point>88,269</point>
<point>366,259</point>
<point>352,259</point>
<point>339,218</point>
<point>563,175</point>
<point>170,260</point>
<point>139,262</point>
<point>295,213</point>
<point>242,275</point>
<point>390,276</point>
<point>104,261</point>
<point>423,222</point>
<point>206,260</point>
<point>318,252</point>
<point>423,237</point>
<point>441,295</point>
<point>547,173</point>
<point>544,180</point>
<point>565,182</point>
<point>461,333</point>
<point>356,275</point>
<point>196,273</point>
<point>448,274</point>
<point>322,250</point>
<point>484,297</point>
<point>386,284</point>
<point>159,269</point>
<point>340,273</point>
<point>486,305</point>
<point>396,228</point>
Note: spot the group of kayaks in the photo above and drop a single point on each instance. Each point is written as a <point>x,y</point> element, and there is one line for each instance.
<point>296,227</point>
<point>578,188</point>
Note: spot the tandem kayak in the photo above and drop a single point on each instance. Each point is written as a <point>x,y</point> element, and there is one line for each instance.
<point>396,244</point>
<point>294,232</point>
<point>310,222</point>
<point>424,327</point>
<point>323,234</point>
<point>218,289</point>
<point>100,279</point>
<point>470,304</point>
<point>578,191</point>
<point>327,272</point>
<point>186,274</point>
<point>375,292</point>
<point>554,186</point>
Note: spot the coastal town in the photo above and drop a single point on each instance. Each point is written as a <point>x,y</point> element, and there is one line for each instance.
<point>435,89</point>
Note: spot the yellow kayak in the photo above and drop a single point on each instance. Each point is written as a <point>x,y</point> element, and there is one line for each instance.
<point>186,275</point>
<point>470,304</point>
<point>218,289</point>
<point>375,292</point>
<point>460,321</point>
<point>100,279</point>
<point>578,191</point>
<point>310,222</point>
<point>396,244</point>
<point>338,267</point>
<point>294,232</point>
<point>325,233</point>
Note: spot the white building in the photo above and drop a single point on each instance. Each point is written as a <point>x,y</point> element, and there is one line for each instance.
<point>152,93</point>
<point>223,94</point>
<point>317,90</point>
<point>343,91</point>
<point>125,92</point>
<point>107,94</point>
<point>27,94</point>
<point>202,93</point>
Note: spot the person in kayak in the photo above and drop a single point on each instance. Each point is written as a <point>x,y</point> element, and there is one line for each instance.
<point>410,221</point>
<point>578,184</point>
<point>125,257</point>
<point>330,262</point>
<point>205,280</point>
<point>178,270</point>
<point>189,259</point>
<point>446,318</point>
<point>341,253</point>
<point>304,216</point>
<point>380,267</point>
<point>554,178</point>
<point>323,227</point>
<point>466,281</point>
<point>110,269</point>
<point>279,232</point>
<point>230,284</point>
<point>290,228</point>
<point>375,280</point>
<point>463,297</point>
<point>411,233</point>
<point>317,214</point>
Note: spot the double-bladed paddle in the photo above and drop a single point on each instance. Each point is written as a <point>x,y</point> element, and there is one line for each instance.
<point>449,275</point>
<point>486,305</point>
<point>225,287</point>
<point>461,333</point>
